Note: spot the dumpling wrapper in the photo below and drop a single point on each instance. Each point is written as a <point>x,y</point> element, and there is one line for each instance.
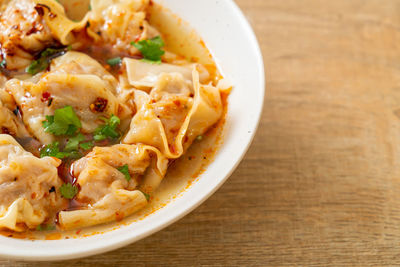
<point>143,74</point>
<point>118,23</point>
<point>19,34</point>
<point>10,124</point>
<point>29,26</point>
<point>80,63</point>
<point>74,80</point>
<point>60,25</point>
<point>107,192</point>
<point>29,187</point>
<point>170,121</point>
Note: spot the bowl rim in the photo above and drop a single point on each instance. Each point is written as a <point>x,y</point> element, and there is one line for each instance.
<point>102,247</point>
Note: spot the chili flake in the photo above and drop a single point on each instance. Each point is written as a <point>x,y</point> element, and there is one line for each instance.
<point>99,105</point>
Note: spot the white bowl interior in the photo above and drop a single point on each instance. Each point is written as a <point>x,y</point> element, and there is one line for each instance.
<point>235,49</point>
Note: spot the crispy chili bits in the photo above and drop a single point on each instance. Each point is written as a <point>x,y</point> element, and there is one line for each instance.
<point>99,105</point>
<point>46,97</point>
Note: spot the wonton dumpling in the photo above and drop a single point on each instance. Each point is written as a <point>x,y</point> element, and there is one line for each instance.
<point>170,120</point>
<point>10,124</point>
<point>79,63</point>
<point>60,25</point>
<point>106,191</point>
<point>143,74</point>
<point>29,187</point>
<point>119,22</point>
<point>79,83</point>
<point>29,26</point>
<point>22,33</point>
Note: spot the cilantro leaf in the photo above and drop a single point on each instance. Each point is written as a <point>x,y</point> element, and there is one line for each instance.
<point>68,116</point>
<point>114,121</point>
<point>87,145</point>
<point>50,150</point>
<point>45,57</point>
<point>37,66</point>
<point>68,191</point>
<point>114,61</point>
<point>53,150</point>
<point>99,137</point>
<point>151,62</point>
<point>146,195</point>
<point>64,122</point>
<point>125,171</point>
<point>108,130</point>
<point>45,227</point>
<point>74,154</point>
<point>151,48</point>
<point>73,143</point>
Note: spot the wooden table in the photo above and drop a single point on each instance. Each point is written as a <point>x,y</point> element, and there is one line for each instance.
<point>321,184</point>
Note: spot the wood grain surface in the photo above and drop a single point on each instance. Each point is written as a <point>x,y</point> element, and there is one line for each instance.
<point>320,185</point>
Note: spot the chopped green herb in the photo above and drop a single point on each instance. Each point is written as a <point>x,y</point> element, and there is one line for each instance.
<point>114,121</point>
<point>114,61</point>
<point>125,171</point>
<point>99,137</point>
<point>45,227</point>
<point>74,155</point>
<point>199,138</point>
<point>90,7</point>
<point>146,195</point>
<point>151,62</point>
<point>73,143</point>
<point>44,59</point>
<point>53,150</point>
<point>151,48</point>
<point>108,130</point>
<point>64,122</point>
<point>68,191</point>
<point>37,66</point>
<point>50,150</point>
<point>87,145</point>
<point>3,63</point>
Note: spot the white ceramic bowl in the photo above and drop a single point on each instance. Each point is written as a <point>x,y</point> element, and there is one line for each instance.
<point>234,46</point>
